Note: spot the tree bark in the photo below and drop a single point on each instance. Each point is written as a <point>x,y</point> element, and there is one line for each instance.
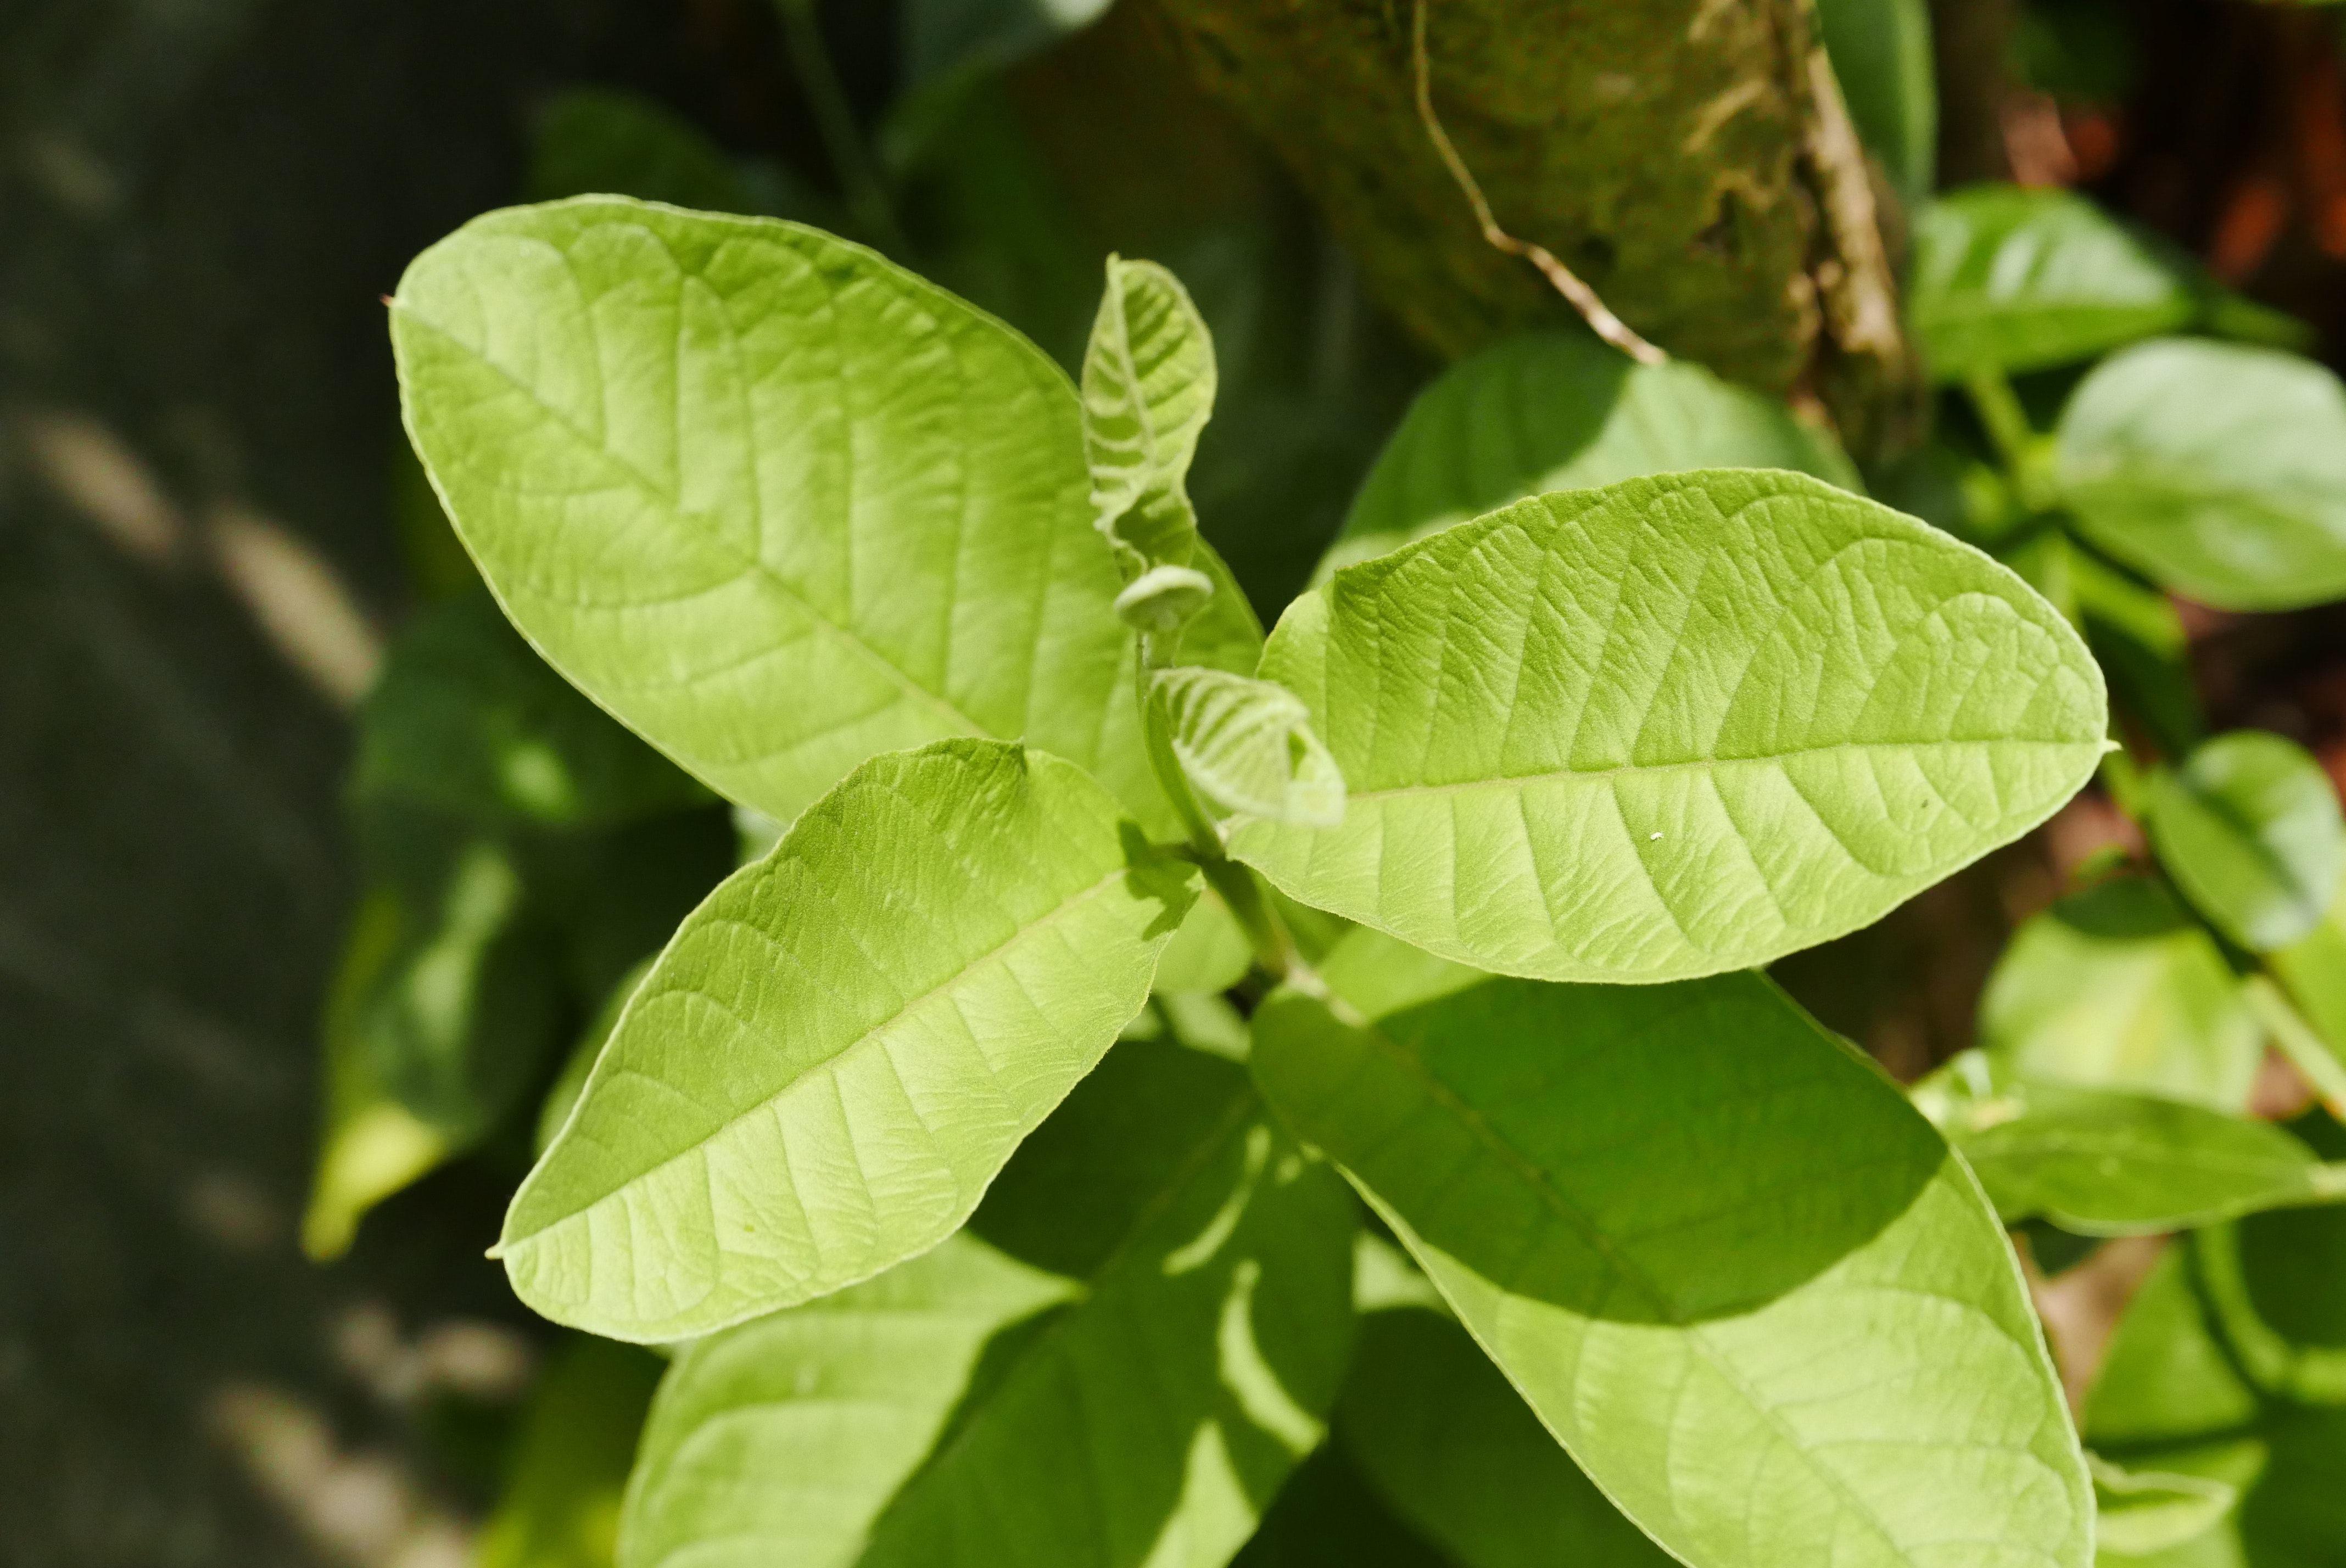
<point>1689,160</point>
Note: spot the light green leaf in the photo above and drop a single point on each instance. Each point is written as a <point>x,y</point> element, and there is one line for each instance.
<point>1881,52</point>
<point>2099,1163</point>
<point>775,502</point>
<point>560,1504</point>
<point>2118,988</point>
<point>604,141</point>
<point>818,1077</point>
<point>1137,1338</point>
<point>1672,727</point>
<point>1210,952</point>
<point>2313,969</point>
<point>2141,1512</point>
<point>1246,746</point>
<point>2217,470</point>
<point>1742,1281</point>
<point>2007,279</point>
<point>2250,829</point>
<point>1148,391</point>
<point>467,720</point>
<point>1461,1457</point>
<point>1560,410</point>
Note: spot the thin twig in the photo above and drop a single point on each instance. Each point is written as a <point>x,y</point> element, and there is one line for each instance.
<point>1603,321</point>
<point>867,196</point>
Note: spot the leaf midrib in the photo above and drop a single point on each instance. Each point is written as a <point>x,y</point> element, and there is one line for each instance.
<point>1693,765</point>
<point>829,1063</point>
<point>750,566</point>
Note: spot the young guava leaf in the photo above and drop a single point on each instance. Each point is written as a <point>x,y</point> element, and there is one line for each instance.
<point>818,1077</point>
<point>2095,1162</point>
<point>1210,952</point>
<point>1561,410</point>
<point>468,720</point>
<point>1157,1277</point>
<point>1672,727</point>
<point>1462,1458</point>
<point>770,499</point>
<point>1248,745</point>
<point>2118,988</point>
<point>2250,829</point>
<point>1739,1277</point>
<point>2007,279</point>
<point>1148,391</point>
<point>2219,471</point>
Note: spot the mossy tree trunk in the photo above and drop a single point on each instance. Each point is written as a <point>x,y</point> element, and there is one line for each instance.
<point>1690,159</point>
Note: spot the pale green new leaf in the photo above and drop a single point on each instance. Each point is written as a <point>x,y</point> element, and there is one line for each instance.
<point>2250,829</point>
<point>1248,746</point>
<point>2219,471</point>
<point>1737,1276</point>
<point>1673,727</point>
<point>1210,952</point>
<point>2012,278</point>
<point>1118,1361</point>
<point>1148,391</point>
<point>1560,410</point>
<point>2313,969</point>
<point>2099,1163</point>
<point>773,500</point>
<point>1462,1458</point>
<point>842,1046</point>
<point>2118,988</point>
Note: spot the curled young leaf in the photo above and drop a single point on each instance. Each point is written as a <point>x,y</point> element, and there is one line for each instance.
<point>1672,727</point>
<point>2251,829</point>
<point>2139,1511</point>
<point>1148,391</point>
<point>1248,746</point>
<point>819,1078</point>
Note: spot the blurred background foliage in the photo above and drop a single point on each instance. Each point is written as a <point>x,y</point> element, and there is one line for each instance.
<point>275,759</point>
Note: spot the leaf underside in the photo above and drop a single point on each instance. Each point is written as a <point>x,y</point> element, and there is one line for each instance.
<point>821,1073</point>
<point>1673,727</point>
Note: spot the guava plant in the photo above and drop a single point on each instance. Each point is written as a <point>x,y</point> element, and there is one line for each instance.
<point>1500,816</point>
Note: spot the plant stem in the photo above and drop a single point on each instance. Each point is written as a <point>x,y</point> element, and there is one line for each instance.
<point>1274,949</point>
<point>834,119</point>
<point>2298,1040</point>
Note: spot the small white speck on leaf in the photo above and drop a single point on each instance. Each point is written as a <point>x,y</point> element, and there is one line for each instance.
<point>1653,837</point>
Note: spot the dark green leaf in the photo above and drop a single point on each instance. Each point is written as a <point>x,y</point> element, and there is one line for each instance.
<point>1881,52</point>
<point>2218,470</point>
<point>1328,1515</point>
<point>2250,829</point>
<point>560,1505</point>
<point>1561,410</point>
<point>1137,1338</point>
<point>604,141</point>
<point>1745,1284</point>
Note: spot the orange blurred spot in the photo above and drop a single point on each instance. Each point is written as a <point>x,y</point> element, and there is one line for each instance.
<point>2251,225</point>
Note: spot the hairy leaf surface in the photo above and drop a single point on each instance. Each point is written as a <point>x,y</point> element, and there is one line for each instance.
<point>1747,1286</point>
<point>1672,727</point>
<point>1148,391</point>
<point>2007,279</point>
<point>1248,746</point>
<point>2118,988</point>
<point>1117,1364</point>
<point>773,500</point>
<point>2219,471</point>
<point>1560,410</point>
<point>2250,829</point>
<point>821,1073</point>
